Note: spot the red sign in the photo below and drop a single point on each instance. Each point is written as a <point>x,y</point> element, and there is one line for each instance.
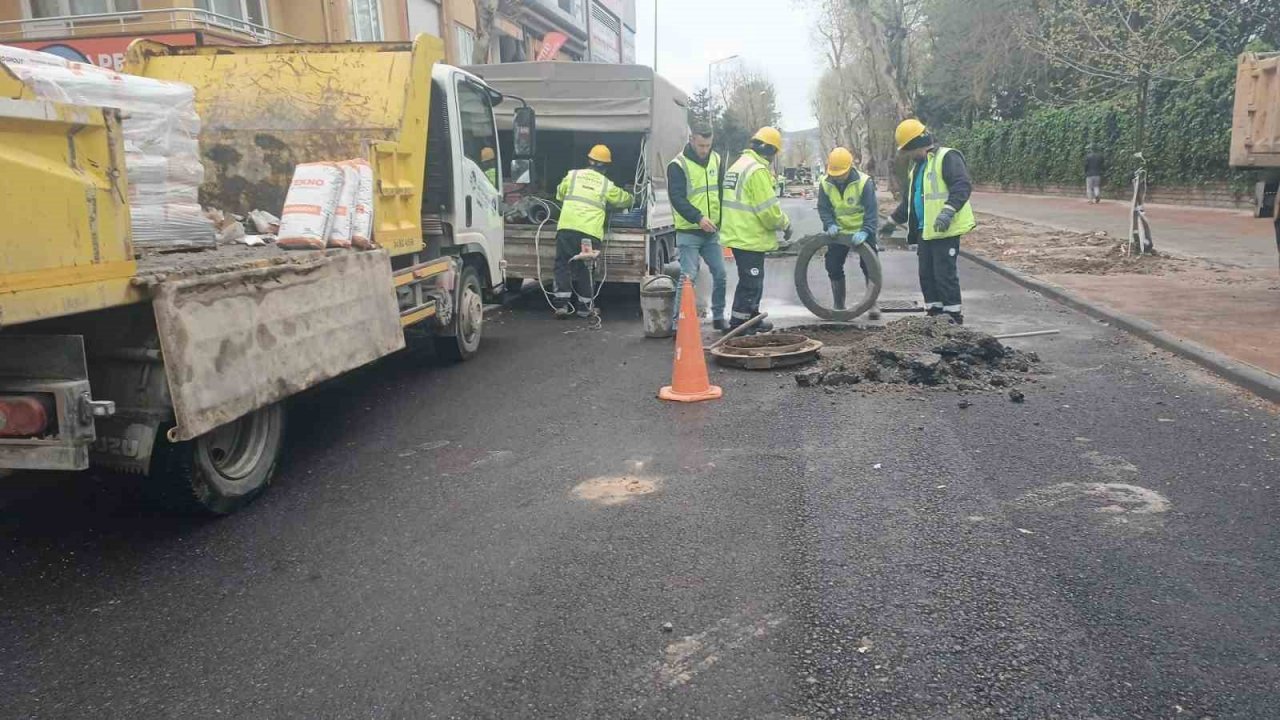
<point>551,44</point>
<point>107,52</point>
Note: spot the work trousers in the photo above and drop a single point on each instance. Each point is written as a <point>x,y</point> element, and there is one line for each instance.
<point>746,298</point>
<point>694,248</point>
<point>836,255</point>
<point>572,280</point>
<point>939,278</point>
<point>1093,187</point>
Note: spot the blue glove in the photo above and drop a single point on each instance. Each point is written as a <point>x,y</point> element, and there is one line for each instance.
<point>833,229</point>
<point>860,237</point>
<point>944,219</point>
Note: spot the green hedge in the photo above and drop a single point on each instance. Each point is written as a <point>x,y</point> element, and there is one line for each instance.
<point>1188,139</point>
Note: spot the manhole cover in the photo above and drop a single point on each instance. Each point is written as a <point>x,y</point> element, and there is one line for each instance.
<point>770,350</point>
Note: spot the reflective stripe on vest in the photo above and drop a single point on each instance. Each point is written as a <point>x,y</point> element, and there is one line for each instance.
<point>740,226</point>
<point>593,202</point>
<point>705,194</point>
<point>936,193</point>
<point>847,208</point>
<point>584,207</point>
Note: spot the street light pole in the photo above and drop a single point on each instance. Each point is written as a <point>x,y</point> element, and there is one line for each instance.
<point>655,37</point>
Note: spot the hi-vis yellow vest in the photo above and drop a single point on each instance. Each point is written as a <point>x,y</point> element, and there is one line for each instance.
<point>585,195</point>
<point>751,215</point>
<point>935,197</point>
<point>847,205</point>
<point>702,188</point>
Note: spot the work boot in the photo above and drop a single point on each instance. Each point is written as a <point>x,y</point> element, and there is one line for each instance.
<point>763,326</point>
<point>838,292</point>
<point>933,311</point>
<point>956,318</point>
<point>874,313</point>
<point>720,324</point>
<point>563,311</point>
<point>584,312</point>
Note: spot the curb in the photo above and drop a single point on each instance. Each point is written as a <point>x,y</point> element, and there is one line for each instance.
<point>1255,380</point>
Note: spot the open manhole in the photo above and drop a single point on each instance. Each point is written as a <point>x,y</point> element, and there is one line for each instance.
<point>770,350</point>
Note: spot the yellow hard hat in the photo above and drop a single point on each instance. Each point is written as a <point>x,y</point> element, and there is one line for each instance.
<point>908,130</point>
<point>769,136</point>
<point>601,154</point>
<point>839,162</point>
<point>487,154</point>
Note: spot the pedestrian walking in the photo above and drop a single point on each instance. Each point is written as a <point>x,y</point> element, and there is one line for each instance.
<point>585,196</point>
<point>1095,166</point>
<point>752,218</point>
<point>847,206</point>
<point>937,212</point>
<point>694,180</point>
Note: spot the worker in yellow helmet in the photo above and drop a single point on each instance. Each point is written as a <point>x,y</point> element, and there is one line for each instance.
<point>751,218</point>
<point>489,164</point>
<point>936,210</point>
<point>585,196</point>
<point>847,206</point>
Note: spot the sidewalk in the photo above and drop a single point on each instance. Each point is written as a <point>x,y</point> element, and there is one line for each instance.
<point>1229,237</point>
<point>1217,283</point>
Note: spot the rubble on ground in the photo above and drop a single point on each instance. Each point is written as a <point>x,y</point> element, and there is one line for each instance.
<point>916,351</point>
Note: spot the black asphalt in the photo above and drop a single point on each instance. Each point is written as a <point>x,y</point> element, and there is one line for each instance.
<point>1106,549</point>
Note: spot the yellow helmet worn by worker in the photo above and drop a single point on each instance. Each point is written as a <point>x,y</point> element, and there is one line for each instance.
<point>839,162</point>
<point>908,130</point>
<point>601,154</point>
<point>487,154</point>
<point>769,136</point>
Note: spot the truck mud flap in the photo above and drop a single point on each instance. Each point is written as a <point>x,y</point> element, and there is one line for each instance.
<point>238,341</point>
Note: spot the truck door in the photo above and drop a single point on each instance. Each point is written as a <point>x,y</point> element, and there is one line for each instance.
<point>478,180</point>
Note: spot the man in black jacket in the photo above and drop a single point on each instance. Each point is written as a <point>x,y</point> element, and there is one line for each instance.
<point>1094,168</point>
<point>694,180</point>
<point>936,210</point>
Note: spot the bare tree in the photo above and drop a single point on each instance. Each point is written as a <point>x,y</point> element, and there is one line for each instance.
<point>1124,44</point>
<point>884,27</point>
<point>487,12</point>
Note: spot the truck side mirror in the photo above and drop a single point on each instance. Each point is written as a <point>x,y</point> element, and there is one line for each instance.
<point>521,172</point>
<point>525,126</point>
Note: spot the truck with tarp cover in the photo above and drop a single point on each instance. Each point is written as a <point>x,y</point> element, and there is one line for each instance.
<point>639,115</point>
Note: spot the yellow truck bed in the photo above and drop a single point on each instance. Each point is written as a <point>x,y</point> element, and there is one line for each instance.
<point>1255,125</point>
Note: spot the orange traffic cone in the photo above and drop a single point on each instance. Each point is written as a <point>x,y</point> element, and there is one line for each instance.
<point>689,382</point>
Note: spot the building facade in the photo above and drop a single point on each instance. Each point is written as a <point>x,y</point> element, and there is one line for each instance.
<point>98,31</point>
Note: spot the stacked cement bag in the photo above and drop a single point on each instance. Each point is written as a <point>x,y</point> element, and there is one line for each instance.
<point>328,205</point>
<point>161,127</point>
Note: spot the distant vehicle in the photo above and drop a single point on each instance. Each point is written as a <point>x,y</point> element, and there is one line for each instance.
<point>1255,125</point>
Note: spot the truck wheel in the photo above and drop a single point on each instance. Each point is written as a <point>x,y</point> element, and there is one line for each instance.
<point>469,320</point>
<point>222,470</point>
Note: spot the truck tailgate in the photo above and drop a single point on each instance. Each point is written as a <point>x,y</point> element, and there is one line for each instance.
<point>235,341</point>
<point>1255,125</point>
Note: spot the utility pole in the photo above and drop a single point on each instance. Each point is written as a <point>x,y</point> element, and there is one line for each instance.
<point>655,37</point>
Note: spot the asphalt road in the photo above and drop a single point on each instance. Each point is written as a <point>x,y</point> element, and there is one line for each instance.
<point>442,543</point>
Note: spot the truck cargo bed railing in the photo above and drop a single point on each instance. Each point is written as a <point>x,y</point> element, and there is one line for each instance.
<point>139,22</point>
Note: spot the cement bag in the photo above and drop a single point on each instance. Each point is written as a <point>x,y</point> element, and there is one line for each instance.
<point>362,215</point>
<point>340,228</point>
<point>309,206</point>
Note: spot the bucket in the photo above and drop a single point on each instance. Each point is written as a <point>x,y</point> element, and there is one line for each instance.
<point>658,305</point>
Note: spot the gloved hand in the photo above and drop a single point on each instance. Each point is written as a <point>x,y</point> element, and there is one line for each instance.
<point>944,219</point>
<point>860,237</point>
<point>887,229</point>
<point>786,234</point>
<point>833,229</point>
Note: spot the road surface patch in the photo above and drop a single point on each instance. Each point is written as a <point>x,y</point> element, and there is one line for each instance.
<point>683,659</point>
<point>616,490</point>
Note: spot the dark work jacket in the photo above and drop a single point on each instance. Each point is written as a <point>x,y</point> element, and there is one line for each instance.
<point>959,187</point>
<point>1094,165</point>
<point>678,190</point>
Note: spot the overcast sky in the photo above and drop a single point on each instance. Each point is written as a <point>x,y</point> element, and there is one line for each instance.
<point>775,37</point>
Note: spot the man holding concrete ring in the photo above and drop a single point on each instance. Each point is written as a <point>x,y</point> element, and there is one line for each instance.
<point>847,206</point>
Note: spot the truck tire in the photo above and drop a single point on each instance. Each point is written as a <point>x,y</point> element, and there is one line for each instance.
<point>468,320</point>
<point>222,470</point>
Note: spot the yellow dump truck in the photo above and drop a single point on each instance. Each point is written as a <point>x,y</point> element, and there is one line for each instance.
<point>175,365</point>
<point>1255,126</point>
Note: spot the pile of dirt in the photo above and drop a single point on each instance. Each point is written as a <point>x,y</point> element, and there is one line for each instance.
<point>919,351</point>
<point>1047,251</point>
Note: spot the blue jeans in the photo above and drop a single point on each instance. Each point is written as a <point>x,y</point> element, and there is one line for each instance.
<point>693,246</point>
